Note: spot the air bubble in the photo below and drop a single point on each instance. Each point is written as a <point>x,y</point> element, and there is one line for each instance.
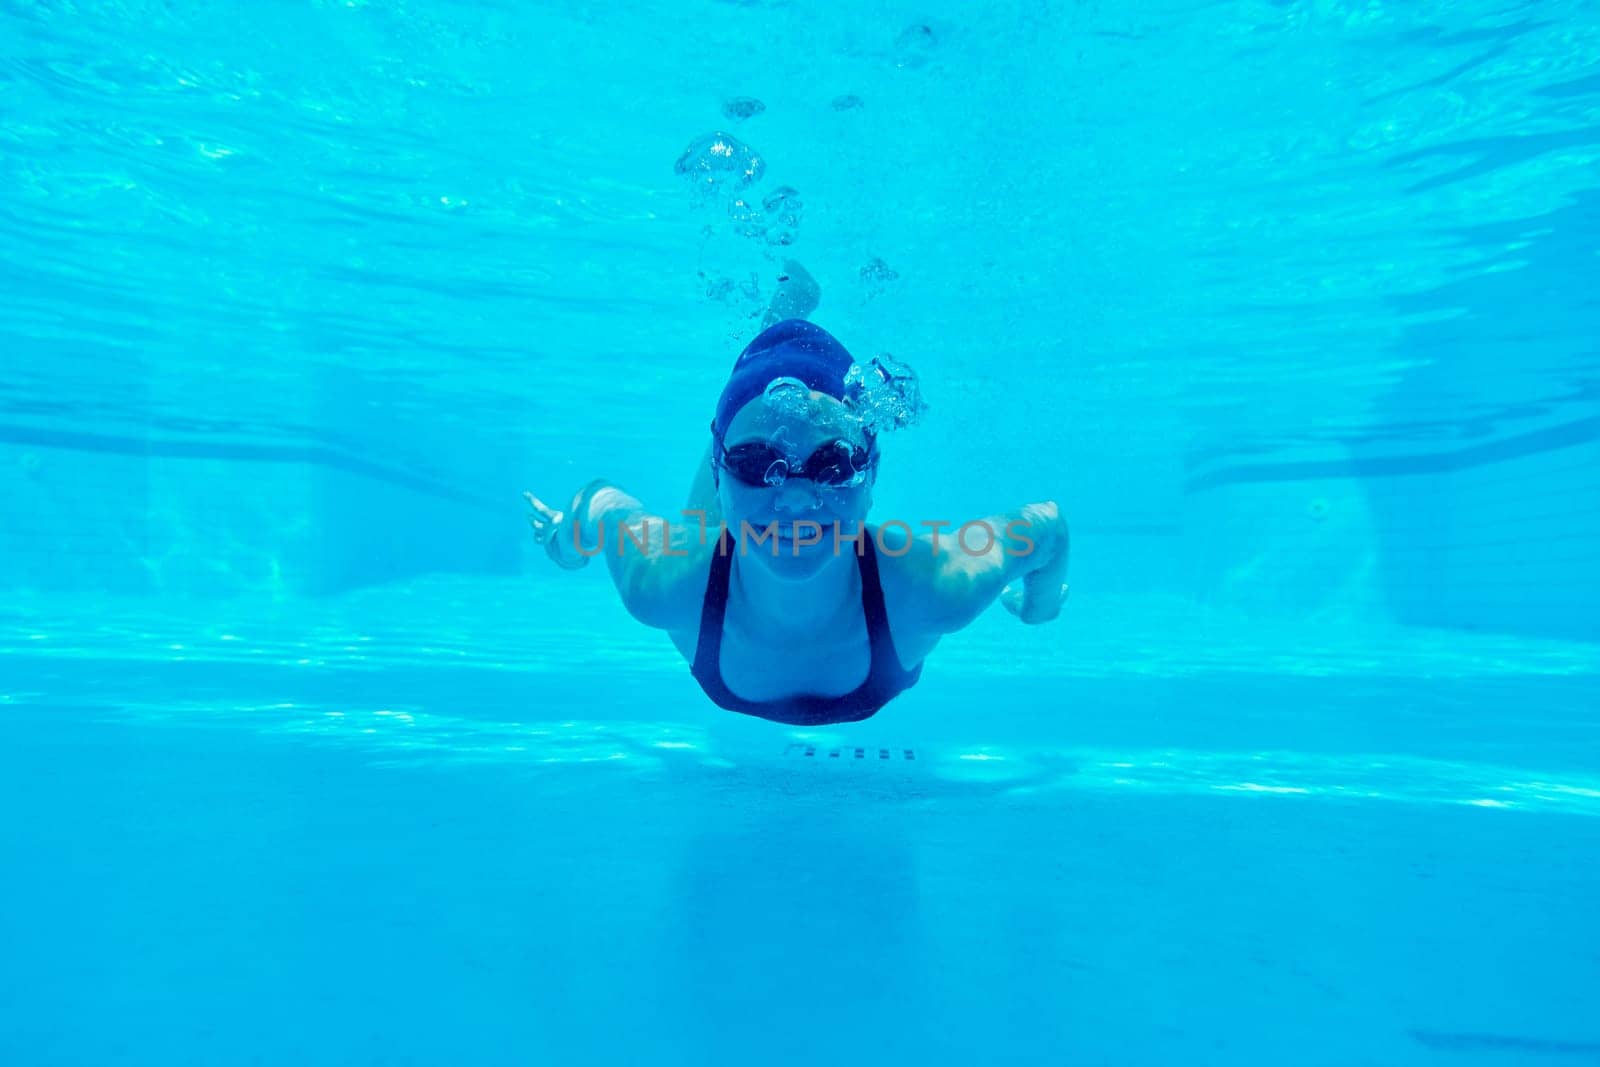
<point>783,208</point>
<point>886,394</point>
<point>719,164</point>
<point>915,45</point>
<point>788,397</point>
<point>739,108</point>
<point>728,291</point>
<point>876,276</point>
<point>747,218</point>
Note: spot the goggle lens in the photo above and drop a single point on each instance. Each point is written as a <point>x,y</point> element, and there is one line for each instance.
<point>836,464</point>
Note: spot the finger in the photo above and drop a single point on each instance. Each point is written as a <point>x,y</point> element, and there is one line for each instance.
<point>542,508</point>
<point>1051,611</point>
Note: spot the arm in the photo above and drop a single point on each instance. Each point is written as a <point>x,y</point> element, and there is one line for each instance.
<point>1030,543</point>
<point>653,563</point>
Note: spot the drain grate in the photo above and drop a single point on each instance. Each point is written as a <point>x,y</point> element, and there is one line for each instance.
<point>800,750</point>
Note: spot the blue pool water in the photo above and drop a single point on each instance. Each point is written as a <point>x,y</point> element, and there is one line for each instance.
<point>311,757</point>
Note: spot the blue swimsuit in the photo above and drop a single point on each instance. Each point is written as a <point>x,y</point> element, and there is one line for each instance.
<point>885,680</point>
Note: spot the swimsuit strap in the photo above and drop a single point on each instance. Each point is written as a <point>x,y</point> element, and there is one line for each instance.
<point>708,649</point>
<point>883,654</point>
<point>886,677</point>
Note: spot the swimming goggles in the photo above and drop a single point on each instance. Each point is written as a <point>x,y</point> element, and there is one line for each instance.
<point>836,464</point>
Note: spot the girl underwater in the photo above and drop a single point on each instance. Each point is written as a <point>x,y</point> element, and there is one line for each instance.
<point>786,603</point>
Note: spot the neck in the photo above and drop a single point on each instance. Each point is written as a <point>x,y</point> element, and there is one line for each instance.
<point>821,600</point>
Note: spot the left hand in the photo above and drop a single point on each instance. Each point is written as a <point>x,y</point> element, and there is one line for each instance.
<point>1033,603</point>
<point>1040,594</point>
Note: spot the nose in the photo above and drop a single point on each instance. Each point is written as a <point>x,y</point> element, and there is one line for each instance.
<point>798,494</point>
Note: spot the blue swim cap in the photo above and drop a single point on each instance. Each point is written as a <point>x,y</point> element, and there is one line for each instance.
<point>793,348</point>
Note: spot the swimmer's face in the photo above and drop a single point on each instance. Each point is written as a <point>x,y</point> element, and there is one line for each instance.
<point>796,425</point>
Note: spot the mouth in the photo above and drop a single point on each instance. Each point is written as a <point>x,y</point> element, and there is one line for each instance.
<point>787,536</point>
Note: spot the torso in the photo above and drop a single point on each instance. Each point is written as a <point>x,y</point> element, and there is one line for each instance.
<point>829,664</point>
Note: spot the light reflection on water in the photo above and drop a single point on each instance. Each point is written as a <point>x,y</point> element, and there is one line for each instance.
<point>813,760</point>
<point>1149,699</point>
<point>508,626</point>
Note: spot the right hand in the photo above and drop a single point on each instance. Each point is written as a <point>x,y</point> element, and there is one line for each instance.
<point>552,529</point>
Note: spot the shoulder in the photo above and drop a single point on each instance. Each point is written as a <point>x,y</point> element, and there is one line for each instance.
<point>908,570</point>
<point>901,553</point>
<point>937,587</point>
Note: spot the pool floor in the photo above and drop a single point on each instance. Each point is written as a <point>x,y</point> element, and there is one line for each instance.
<point>324,883</point>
